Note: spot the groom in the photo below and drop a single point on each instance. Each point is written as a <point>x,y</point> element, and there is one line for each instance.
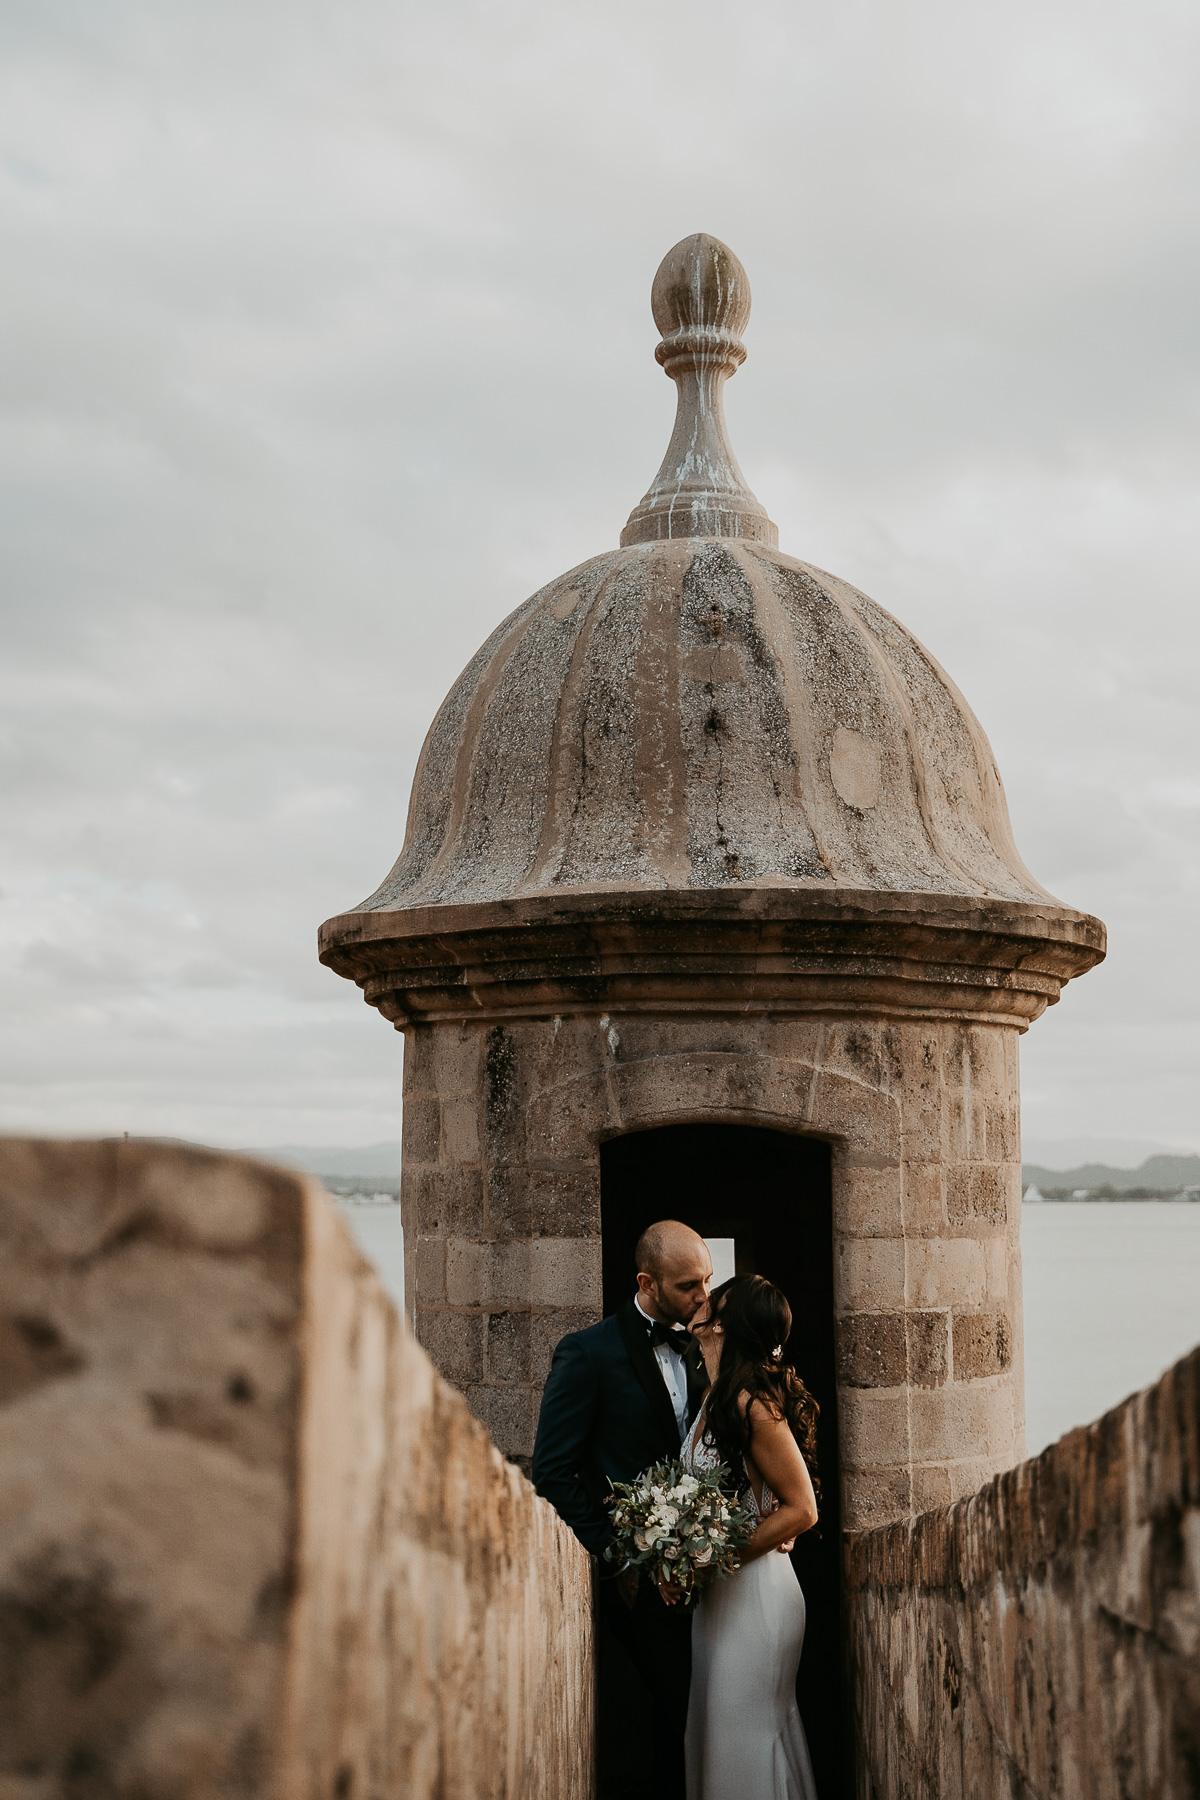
<point>620,1396</point>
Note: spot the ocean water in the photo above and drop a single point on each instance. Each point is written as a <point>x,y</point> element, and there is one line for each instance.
<point>1112,1299</point>
<point>374,1219</point>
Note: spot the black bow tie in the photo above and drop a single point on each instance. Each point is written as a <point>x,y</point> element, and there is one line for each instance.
<point>674,1338</point>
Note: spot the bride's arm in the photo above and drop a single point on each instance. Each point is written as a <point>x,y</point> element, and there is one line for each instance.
<point>776,1456</point>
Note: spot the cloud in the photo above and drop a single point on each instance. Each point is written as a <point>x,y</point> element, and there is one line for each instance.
<point>326,339</point>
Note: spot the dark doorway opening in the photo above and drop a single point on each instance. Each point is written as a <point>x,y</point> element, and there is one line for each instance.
<point>771,1193</point>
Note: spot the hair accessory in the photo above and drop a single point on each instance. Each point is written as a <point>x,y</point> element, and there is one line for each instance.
<point>777,1352</point>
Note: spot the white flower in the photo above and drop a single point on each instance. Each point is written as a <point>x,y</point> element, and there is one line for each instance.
<point>703,1555</point>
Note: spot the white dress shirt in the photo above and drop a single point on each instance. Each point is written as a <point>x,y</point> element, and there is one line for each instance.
<point>673,1373</point>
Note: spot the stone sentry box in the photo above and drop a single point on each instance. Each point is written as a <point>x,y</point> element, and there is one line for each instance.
<point>702,834</point>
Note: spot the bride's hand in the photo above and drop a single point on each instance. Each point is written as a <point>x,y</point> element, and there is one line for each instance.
<point>669,1591</point>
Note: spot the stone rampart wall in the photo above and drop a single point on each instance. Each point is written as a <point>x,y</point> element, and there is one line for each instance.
<point>1042,1639</point>
<point>250,1543</point>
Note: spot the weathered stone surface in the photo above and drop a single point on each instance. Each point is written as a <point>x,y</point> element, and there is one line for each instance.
<point>768,949</point>
<point>426,1277</point>
<point>147,1476</point>
<point>982,1345</point>
<point>871,1274</point>
<point>439,1201</point>
<point>529,1203</point>
<point>712,712</point>
<point>455,1342</point>
<point>424,1112</point>
<point>1042,1638</point>
<point>442,1636</point>
<point>892,1349</point>
<point>250,1545</point>
<point>948,1271</point>
<point>979,1192</point>
<point>508,1346</point>
<point>701,302</point>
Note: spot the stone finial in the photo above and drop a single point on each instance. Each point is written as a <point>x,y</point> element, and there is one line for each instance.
<point>701,302</point>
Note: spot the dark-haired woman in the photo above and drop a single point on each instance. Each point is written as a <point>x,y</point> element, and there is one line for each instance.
<point>744,1736</point>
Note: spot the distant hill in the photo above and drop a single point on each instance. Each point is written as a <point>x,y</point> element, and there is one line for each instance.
<point>1155,1172</point>
<point>1060,1153</point>
<point>382,1162</point>
<point>372,1161</point>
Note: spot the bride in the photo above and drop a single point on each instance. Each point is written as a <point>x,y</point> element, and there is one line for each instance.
<point>744,1738</point>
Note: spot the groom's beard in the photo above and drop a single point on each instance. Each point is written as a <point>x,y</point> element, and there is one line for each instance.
<point>673,1315</point>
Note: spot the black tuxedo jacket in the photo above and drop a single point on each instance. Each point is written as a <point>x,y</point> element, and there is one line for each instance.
<point>606,1415</point>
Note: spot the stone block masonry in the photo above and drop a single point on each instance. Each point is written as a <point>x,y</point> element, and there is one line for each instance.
<point>1041,1640</point>
<point>251,1546</point>
<point>502,1213</point>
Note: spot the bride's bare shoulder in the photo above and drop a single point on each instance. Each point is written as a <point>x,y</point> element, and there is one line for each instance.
<point>757,1411</point>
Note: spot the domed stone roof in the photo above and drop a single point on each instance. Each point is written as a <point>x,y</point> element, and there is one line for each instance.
<point>697,710</point>
<point>700,713</point>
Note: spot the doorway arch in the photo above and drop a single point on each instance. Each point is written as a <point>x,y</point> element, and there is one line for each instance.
<point>771,1193</point>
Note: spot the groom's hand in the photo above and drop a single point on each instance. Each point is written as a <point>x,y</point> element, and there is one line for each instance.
<point>670,1591</point>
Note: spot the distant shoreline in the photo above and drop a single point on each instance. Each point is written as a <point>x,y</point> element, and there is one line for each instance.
<point>1159,1177</point>
<point>1065,1196</point>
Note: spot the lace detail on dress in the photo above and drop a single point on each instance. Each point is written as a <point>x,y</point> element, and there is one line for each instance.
<point>699,1452</point>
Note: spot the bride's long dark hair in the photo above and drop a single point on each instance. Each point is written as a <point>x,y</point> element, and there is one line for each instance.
<point>756,1321</point>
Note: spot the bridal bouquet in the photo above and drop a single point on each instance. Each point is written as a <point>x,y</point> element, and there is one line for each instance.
<point>682,1525</point>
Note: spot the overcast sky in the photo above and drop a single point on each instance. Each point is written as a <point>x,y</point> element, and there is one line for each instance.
<point>325,338</point>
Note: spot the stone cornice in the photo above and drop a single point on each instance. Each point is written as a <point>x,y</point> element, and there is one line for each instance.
<point>724,950</point>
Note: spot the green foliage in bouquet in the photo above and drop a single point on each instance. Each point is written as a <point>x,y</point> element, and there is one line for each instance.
<point>682,1525</point>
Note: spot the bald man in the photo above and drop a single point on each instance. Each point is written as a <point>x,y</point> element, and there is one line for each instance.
<point>620,1396</point>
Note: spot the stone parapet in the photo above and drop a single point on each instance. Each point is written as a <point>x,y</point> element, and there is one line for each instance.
<point>1042,1638</point>
<point>250,1544</point>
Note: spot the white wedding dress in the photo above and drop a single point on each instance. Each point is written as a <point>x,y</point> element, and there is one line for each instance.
<point>744,1738</point>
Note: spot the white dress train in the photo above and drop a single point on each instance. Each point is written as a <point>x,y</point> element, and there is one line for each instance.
<point>744,1737</point>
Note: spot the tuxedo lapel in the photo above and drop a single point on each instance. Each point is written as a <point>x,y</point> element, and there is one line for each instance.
<point>697,1379</point>
<point>636,1340</point>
